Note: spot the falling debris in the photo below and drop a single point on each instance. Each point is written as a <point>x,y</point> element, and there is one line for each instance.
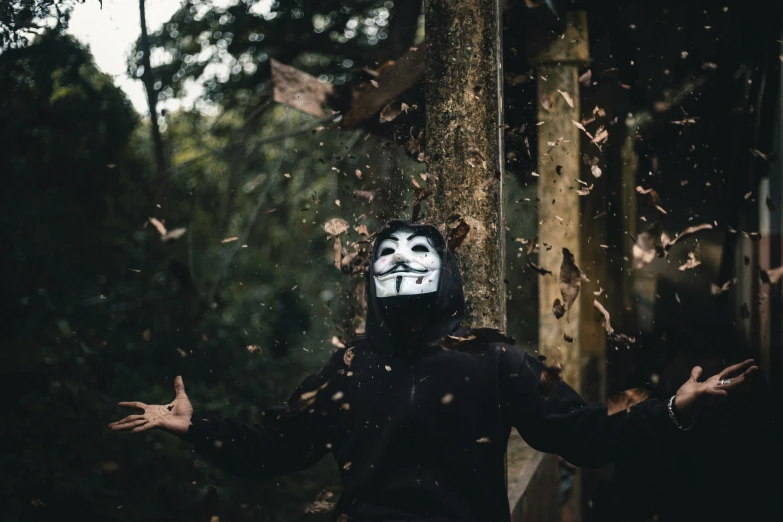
<point>586,78</point>
<point>717,290</point>
<point>567,98</point>
<point>336,226</point>
<point>771,276</point>
<point>667,243</point>
<point>230,239</point>
<point>570,279</point>
<point>656,200</point>
<point>167,235</point>
<point>694,260</point>
<point>542,271</point>
<point>558,309</point>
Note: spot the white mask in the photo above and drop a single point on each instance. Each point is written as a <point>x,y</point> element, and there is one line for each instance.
<point>406,264</point>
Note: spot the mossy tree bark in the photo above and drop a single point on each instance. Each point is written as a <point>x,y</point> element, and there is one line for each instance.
<point>464,118</point>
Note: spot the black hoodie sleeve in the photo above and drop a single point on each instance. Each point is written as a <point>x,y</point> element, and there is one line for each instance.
<point>560,421</point>
<point>290,437</point>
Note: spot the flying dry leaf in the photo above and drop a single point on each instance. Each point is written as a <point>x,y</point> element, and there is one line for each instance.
<point>717,290</point>
<point>484,440</point>
<point>367,195</point>
<point>570,279</point>
<point>596,171</point>
<point>323,504</point>
<point>230,239</point>
<point>558,309</point>
<point>146,335</point>
<point>348,357</point>
<point>254,348</point>
<point>586,78</point>
<point>336,226</point>
<point>771,276</point>
<point>582,128</point>
<point>654,198</point>
<point>668,243</point>
<point>392,110</point>
<point>601,136</point>
<point>447,399</point>
<point>542,271</point>
<point>337,342</point>
<point>567,98</point>
<point>607,319</point>
<point>158,225</point>
<point>167,235</point>
<point>692,262</point>
<point>388,368</point>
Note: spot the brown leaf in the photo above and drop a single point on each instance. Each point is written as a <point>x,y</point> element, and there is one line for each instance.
<point>607,319</point>
<point>558,309</point>
<point>655,199</point>
<point>540,270</point>
<point>367,195</point>
<point>582,128</point>
<point>254,349</point>
<point>601,136</point>
<point>337,342</point>
<point>694,260</point>
<point>567,338</point>
<point>595,170</point>
<point>230,239</point>
<point>158,225</point>
<point>570,279</point>
<point>336,226</point>
<point>447,399</point>
<point>457,235</point>
<point>567,98</point>
<point>668,243</point>
<point>484,440</point>
<point>323,504</point>
<point>771,276</point>
<point>586,78</point>
<point>392,110</point>
<point>717,290</point>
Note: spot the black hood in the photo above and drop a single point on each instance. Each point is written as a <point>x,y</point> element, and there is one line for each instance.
<point>445,308</point>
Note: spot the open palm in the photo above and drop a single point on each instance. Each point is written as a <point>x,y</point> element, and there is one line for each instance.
<point>694,392</point>
<point>173,417</point>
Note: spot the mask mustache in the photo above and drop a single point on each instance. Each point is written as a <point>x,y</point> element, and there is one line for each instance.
<point>402,267</point>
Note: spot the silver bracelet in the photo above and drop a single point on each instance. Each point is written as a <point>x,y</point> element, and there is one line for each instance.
<point>670,407</point>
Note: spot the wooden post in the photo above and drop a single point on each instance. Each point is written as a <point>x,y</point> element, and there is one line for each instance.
<point>557,54</point>
<point>464,118</point>
<point>559,166</point>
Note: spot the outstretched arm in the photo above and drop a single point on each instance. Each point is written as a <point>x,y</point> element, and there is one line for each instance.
<point>558,420</point>
<point>288,438</point>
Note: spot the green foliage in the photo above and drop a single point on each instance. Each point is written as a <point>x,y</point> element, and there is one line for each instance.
<point>99,309</point>
<point>226,50</point>
<point>20,20</point>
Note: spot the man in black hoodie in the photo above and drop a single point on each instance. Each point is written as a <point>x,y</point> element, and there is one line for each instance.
<point>418,412</point>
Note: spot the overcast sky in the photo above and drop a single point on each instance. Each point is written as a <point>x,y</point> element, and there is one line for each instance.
<point>110,31</point>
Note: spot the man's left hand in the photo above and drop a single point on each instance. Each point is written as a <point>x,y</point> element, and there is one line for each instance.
<point>691,395</point>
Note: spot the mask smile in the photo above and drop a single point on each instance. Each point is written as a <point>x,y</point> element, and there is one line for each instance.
<point>403,268</point>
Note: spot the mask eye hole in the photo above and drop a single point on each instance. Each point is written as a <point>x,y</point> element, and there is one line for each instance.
<point>420,248</point>
<point>387,251</point>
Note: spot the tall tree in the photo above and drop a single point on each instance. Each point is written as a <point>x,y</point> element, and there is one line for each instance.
<point>152,100</point>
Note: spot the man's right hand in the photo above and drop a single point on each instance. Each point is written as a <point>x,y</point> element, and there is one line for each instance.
<point>173,417</point>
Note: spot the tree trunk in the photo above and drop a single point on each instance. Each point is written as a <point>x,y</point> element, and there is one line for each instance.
<point>152,98</point>
<point>464,119</point>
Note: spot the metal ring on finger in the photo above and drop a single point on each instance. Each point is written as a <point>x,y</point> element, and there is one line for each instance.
<point>725,381</point>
